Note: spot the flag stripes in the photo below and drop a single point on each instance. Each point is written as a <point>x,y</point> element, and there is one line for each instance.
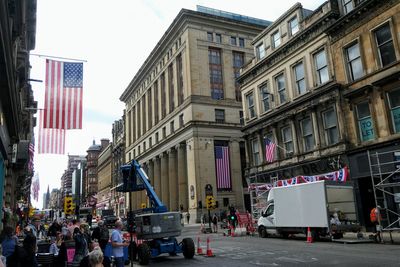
<point>222,166</point>
<point>269,150</point>
<point>50,141</point>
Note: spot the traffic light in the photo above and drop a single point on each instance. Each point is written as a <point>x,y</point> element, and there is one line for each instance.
<point>68,206</point>
<point>210,202</point>
<point>131,227</point>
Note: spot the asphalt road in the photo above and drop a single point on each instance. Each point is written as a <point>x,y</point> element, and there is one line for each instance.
<point>255,251</point>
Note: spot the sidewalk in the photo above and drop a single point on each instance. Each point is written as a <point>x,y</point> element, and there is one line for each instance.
<point>366,236</point>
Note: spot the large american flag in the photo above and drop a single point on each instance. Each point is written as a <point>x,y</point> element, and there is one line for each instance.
<point>63,95</point>
<point>50,141</point>
<point>223,169</point>
<point>31,152</point>
<point>269,150</point>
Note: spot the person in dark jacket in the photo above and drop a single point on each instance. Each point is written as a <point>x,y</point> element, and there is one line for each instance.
<point>81,246</point>
<point>54,228</point>
<point>25,255</point>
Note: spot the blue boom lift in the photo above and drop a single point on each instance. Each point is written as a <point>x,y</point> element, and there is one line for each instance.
<point>157,227</point>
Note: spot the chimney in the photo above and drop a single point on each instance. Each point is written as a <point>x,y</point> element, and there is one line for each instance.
<point>104,143</point>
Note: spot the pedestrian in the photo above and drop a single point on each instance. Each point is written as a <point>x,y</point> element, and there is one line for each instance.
<point>65,231</point>
<point>118,244</point>
<point>188,217</point>
<point>101,234</point>
<point>89,218</point>
<point>25,255</point>
<point>215,223</point>
<point>376,218</point>
<point>72,227</point>
<point>54,228</point>
<point>96,258</point>
<point>8,241</point>
<point>81,247</point>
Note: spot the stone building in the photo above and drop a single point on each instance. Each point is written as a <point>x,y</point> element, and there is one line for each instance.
<point>54,203</point>
<point>365,45</point>
<point>183,110</point>
<point>290,98</point>
<point>91,186</point>
<point>66,179</point>
<point>104,174</point>
<point>17,105</point>
<point>118,201</point>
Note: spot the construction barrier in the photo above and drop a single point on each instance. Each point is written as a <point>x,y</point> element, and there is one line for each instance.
<point>209,251</point>
<point>309,235</point>
<point>199,249</point>
<point>245,220</point>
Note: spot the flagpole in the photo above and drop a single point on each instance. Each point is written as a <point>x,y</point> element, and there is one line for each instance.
<point>285,150</point>
<point>66,58</point>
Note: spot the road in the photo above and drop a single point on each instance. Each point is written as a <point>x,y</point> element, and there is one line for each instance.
<point>255,251</point>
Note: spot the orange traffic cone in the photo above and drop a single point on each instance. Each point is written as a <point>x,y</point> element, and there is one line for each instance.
<point>209,251</point>
<point>309,236</point>
<point>199,249</point>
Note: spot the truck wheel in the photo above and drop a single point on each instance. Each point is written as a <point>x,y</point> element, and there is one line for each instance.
<point>188,248</point>
<point>144,254</point>
<point>262,232</point>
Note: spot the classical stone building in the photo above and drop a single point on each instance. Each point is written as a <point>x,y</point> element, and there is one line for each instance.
<point>290,98</point>
<point>183,110</point>
<point>118,201</point>
<point>55,197</point>
<point>91,181</point>
<point>104,174</point>
<point>365,48</point>
<point>17,105</point>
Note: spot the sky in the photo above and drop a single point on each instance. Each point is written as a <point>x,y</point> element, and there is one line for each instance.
<point>114,38</point>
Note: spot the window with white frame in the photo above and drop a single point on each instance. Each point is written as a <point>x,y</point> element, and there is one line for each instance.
<point>330,126</point>
<point>307,134</point>
<point>384,42</point>
<point>321,66</point>
<point>281,88</point>
<point>300,80</point>
<point>276,39</point>
<point>250,105</point>
<point>347,6</point>
<point>256,152</point>
<point>293,26</point>
<point>260,51</point>
<point>394,106</point>
<point>354,63</point>
<point>265,97</point>
<point>364,121</point>
<point>218,38</point>
<point>287,139</point>
<point>219,115</point>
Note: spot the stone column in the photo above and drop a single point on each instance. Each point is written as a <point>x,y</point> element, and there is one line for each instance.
<point>182,177</point>
<point>164,179</point>
<point>173,180</point>
<point>157,176</point>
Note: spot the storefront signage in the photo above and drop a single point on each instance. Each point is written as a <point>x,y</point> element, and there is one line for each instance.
<point>367,129</point>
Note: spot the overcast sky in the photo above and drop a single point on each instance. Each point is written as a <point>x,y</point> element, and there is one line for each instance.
<point>114,37</point>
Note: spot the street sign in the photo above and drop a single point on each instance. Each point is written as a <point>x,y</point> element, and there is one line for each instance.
<point>209,190</point>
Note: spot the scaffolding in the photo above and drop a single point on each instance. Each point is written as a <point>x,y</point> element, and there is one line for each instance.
<point>385,177</point>
<point>258,194</point>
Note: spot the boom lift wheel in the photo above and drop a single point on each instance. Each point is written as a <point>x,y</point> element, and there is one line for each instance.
<point>144,254</point>
<point>188,248</point>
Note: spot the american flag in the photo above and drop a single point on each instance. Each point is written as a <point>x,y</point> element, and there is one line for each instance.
<point>36,187</point>
<point>63,95</point>
<point>31,152</point>
<point>269,150</point>
<point>223,169</point>
<point>50,141</point>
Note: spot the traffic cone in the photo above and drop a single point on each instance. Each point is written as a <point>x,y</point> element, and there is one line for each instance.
<point>199,249</point>
<point>309,236</point>
<point>209,251</point>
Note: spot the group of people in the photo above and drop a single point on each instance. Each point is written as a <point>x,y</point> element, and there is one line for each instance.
<point>89,246</point>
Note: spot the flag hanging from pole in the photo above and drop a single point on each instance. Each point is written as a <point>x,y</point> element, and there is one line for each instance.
<point>31,153</point>
<point>50,141</point>
<point>222,167</point>
<point>269,150</point>
<point>36,186</point>
<point>63,95</point>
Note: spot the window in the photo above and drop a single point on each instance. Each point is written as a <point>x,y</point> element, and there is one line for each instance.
<point>216,83</point>
<point>300,78</point>
<point>172,127</point>
<point>171,87</point>
<point>139,150</point>
<point>394,105</point>
<point>241,119</point>
<point>354,64</point>
<point>250,105</point>
<point>293,26</point>
<point>156,112</point>
<point>384,42</point>
<point>265,97</point>
<point>181,121</point>
<point>219,115</point>
<point>307,134</point>
<point>157,138</point>
<point>163,96</point>
<point>330,126</point>
<point>238,61</point>
<point>144,146</point>
<point>218,38</point>
<point>164,132</point>
<point>233,40</point>
<point>280,85</point>
<point>347,6</point>
<point>210,36</point>
<point>321,66</point>
<point>241,42</point>
<point>150,108</point>
<point>365,123</point>
<point>287,140</point>
<point>276,39</point>
<point>260,51</point>
<point>179,74</point>
<point>256,152</point>
<point>150,142</point>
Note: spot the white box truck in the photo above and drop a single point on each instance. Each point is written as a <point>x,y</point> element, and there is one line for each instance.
<point>327,208</point>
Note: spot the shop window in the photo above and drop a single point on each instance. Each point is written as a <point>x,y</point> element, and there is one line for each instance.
<point>364,121</point>
<point>394,105</point>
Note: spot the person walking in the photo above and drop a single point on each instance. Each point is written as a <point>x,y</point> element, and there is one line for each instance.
<point>215,222</point>
<point>81,246</point>
<point>188,217</point>
<point>118,244</point>
<point>376,218</point>
<point>25,255</point>
<point>8,241</point>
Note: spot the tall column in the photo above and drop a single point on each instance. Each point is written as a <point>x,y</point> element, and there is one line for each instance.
<point>164,179</point>
<point>182,177</point>
<point>173,180</point>
<point>157,176</point>
<point>150,174</point>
